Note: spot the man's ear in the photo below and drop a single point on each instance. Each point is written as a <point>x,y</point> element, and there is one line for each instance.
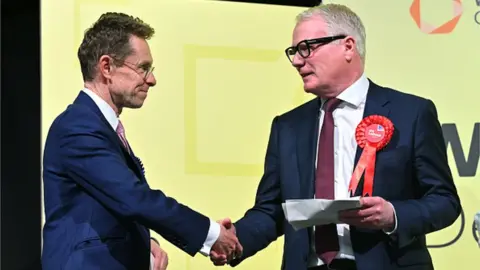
<point>349,47</point>
<point>105,66</point>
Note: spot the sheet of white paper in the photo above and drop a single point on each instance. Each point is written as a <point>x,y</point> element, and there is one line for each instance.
<point>477,224</point>
<point>310,212</point>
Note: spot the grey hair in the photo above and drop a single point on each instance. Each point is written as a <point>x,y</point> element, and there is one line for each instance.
<point>340,20</point>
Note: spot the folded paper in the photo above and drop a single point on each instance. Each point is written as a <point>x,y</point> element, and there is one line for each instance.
<point>311,212</point>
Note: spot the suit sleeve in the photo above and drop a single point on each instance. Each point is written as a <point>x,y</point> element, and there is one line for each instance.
<point>89,160</point>
<point>438,205</point>
<point>263,223</point>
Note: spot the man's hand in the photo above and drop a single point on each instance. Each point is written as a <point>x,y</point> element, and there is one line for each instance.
<point>221,257</point>
<point>375,213</point>
<point>161,257</point>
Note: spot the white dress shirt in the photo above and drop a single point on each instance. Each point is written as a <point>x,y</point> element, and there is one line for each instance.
<point>346,118</point>
<point>111,116</point>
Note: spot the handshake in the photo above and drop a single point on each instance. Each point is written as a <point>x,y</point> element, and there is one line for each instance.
<point>227,247</point>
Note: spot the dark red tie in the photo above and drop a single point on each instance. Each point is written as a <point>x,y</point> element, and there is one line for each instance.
<point>326,237</point>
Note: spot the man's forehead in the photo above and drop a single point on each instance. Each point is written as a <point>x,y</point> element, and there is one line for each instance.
<point>310,28</point>
<point>140,52</point>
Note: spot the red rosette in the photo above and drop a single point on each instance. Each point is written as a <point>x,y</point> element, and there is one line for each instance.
<point>372,134</point>
<point>375,130</point>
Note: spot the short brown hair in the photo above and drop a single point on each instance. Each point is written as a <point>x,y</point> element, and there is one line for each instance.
<point>110,35</point>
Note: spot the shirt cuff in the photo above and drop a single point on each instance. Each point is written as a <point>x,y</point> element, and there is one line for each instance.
<point>212,237</point>
<point>395,218</point>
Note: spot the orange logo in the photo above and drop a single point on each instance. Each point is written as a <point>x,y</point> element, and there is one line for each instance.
<point>444,28</point>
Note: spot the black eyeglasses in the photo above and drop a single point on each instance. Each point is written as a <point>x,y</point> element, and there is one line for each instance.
<point>145,71</point>
<point>304,47</point>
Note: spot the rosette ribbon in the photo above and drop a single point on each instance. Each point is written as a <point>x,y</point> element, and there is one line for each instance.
<point>372,134</point>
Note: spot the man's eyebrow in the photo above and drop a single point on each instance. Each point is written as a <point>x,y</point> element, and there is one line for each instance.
<point>146,64</point>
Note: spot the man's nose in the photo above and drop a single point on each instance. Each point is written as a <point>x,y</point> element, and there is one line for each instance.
<point>151,81</point>
<point>298,60</point>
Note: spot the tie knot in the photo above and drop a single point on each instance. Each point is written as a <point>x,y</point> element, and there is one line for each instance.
<point>331,104</point>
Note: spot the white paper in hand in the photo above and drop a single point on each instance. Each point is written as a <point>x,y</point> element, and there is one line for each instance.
<point>310,212</point>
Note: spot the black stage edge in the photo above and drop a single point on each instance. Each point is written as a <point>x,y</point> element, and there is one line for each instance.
<point>20,196</point>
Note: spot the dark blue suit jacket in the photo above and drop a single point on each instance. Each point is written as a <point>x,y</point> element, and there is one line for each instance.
<point>98,205</point>
<point>411,172</point>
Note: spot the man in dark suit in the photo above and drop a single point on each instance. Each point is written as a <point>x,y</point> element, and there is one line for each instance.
<point>312,152</point>
<point>98,205</point>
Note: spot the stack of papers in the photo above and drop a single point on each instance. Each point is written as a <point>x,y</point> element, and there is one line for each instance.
<point>310,212</point>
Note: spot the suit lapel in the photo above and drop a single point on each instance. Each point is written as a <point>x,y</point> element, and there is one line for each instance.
<point>85,100</point>
<point>306,142</point>
<point>376,104</point>
<point>132,158</point>
<point>138,163</point>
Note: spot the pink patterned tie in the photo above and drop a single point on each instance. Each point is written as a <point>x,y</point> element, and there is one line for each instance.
<point>121,135</point>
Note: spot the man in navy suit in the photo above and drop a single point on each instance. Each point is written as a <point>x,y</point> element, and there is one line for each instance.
<point>312,152</point>
<point>98,205</point>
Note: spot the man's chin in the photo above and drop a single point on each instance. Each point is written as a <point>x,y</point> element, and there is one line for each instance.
<point>309,89</point>
<point>135,105</point>
<point>316,89</point>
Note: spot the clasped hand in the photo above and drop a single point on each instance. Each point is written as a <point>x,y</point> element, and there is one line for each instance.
<point>227,246</point>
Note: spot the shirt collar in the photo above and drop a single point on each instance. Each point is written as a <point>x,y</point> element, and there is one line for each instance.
<point>106,110</point>
<point>355,94</point>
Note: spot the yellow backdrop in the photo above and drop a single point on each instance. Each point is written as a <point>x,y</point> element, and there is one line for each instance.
<point>222,76</point>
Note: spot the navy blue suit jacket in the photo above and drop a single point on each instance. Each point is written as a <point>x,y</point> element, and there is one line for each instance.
<point>411,172</point>
<point>98,205</point>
